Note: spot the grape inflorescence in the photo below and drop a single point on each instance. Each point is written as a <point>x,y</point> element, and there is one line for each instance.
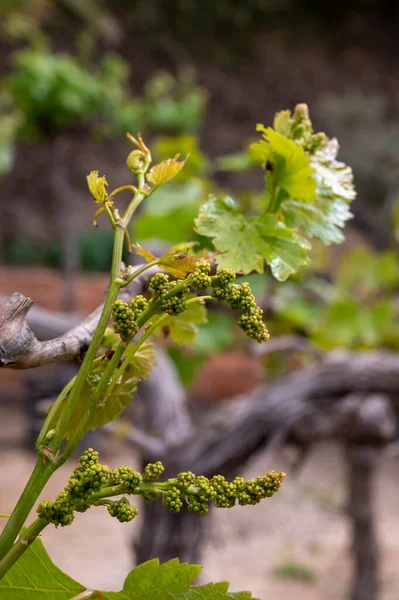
<point>93,484</point>
<point>170,297</point>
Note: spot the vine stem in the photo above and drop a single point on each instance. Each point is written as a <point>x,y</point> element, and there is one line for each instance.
<point>74,396</point>
<point>45,468</point>
<point>50,457</point>
<point>139,271</point>
<point>38,479</point>
<point>22,544</point>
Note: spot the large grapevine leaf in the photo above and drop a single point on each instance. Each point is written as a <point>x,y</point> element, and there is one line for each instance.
<point>244,244</point>
<point>156,581</point>
<point>113,404</point>
<point>323,219</point>
<point>213,591</point>
<point>35,577</point>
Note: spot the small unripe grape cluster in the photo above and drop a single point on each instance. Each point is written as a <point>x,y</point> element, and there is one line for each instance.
<point>161,287</point>
<point>171,499</point>
<point>160,284</point>
<point>240,297</point>
<point>200,491</point>
<point>200,277</point>
<point>153,471</point>
<point>91,484</point>
<point>59,512</point>
<point>137,305</point>
<point>122,510</point>
<point>254,490</point>
<point>185,480</point>
<point>176,304</point>
<point>124,319</point>
<point>127,478</point>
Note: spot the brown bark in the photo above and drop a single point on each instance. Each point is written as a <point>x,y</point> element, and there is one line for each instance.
<point>363,463</point>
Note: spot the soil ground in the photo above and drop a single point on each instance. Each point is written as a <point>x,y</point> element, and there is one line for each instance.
<point>304,525</point>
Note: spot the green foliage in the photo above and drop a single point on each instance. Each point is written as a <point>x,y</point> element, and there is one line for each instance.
<point>118,394</point>
<point>307,195</point>
<point>9,122</point>
<point>358,310</point>
<point>296,571</point>
<point>94,250</point>
<point>286,164</point>
<point>176,204</point>
<point>243,244</point>
<point>36,577</point>
<point>116,360</point>
<point>53,91</point>
<point>161,581</point>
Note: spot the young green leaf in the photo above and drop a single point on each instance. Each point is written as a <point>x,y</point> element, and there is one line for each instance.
<point>244,244</point>
<point>113,404</point>
<point>291,168</point>
<point>165,171</point>
<point>327,215</point>
<point>35,577</point>
<point>176,261</point>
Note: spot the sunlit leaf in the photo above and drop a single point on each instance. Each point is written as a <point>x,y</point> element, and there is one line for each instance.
<point>35,577</point>
<point>149,257</point>
<point>244,244</point>
<point>288,163</point>
<point>157,581</point>
<point>177,261</point>
<point>323,219</point>
<point>334,178</point>
<point>165,170</point>
<point>97,187</point>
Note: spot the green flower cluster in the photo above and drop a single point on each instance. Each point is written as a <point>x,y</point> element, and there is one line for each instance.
<point>162,287</point>
<point>200,491</point>
<point>128,480</point>
<point>200,277</point>
<point>171,499</point>
<point>125,316</point>
<point>122,510</point>
<point>240,297</point>
<point>153,471</point>
<point>86,480</point>
<point>124,320</point>
<point>171,297</point>
<point>92,484</point>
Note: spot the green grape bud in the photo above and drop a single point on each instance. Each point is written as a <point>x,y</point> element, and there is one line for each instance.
<point>136,162</point>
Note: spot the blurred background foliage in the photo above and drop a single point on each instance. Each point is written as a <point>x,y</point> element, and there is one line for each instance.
<point>195,77</point>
